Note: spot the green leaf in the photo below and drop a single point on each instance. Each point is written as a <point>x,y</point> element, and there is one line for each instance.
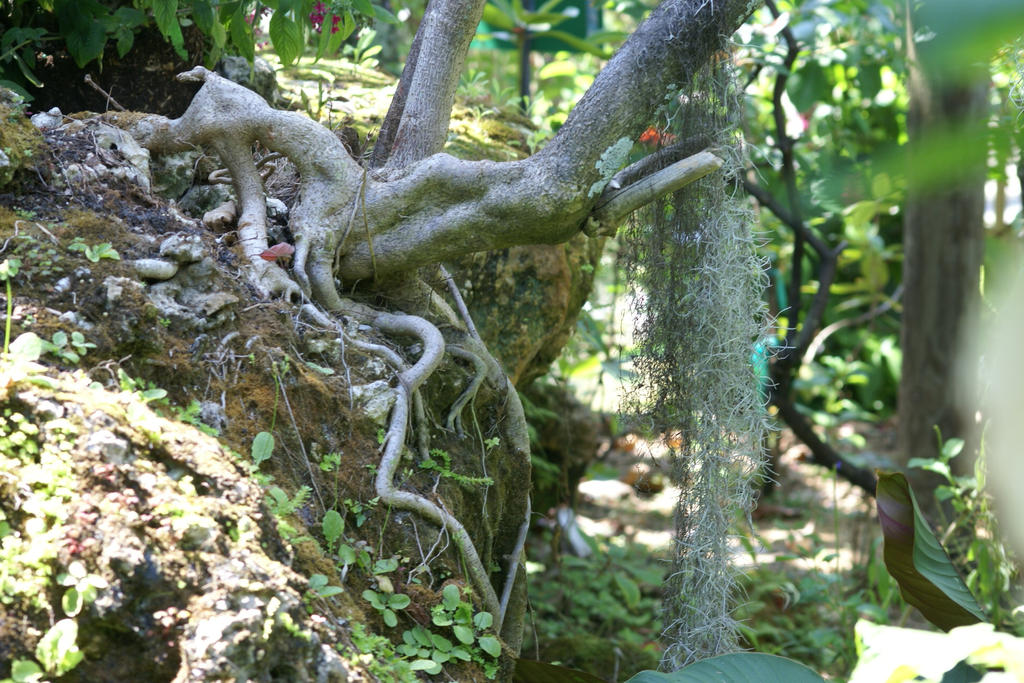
<point>495,18</point>
<point>382,14</point>
<point>914,557</point>
<point>629,588</point>
<point>389,618</point>
<point>323,40</point>
<point>421,636</point>
<point>86,44</point>
<point>399,601</point>
<point>333,525</point>
<point>262,447</point>
<point>439,642</point>
<point>125,40</point>
<point>202,13</point>
<point>464,634</point>
<point>72,602</point>
<point>575,42</point>
<point>363,7</point>
<point>165,12</point>
<point>809,86</point>
<point>241,35</point>
<point>373,598</point>
<point>490,645</point>
<point>153,395</point>
<point>385,565</point>
<point>25,671</point>
<point>450,596</point>
<point>27,346</point>
<point>741,667</point>
<point>286,35</point>
<point>427,665</point>
<point>483,620</point>
<point>57,649</point>
<point>345,29</point>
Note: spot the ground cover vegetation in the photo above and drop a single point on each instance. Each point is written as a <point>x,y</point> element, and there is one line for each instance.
<point>377,550</point>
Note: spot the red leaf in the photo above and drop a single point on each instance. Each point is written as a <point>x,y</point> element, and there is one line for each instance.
<point>279,250</point>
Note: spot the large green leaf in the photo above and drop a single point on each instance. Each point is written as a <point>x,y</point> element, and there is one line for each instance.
<point>915,558</point>
<point>740,667</point>
<point>165,13</point>
<point>499,16</point>
<point>242,36</point>
<point>286,35</point>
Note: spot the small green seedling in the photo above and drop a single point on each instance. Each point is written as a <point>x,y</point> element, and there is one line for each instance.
<point>68,350</point>
<point>439,461</point>
<point>57,650</point>
<point>146,391</point>
<point>429,650</point>
<point>360,510</point>
<point>468,628</point>
<point>82,588</point>
<point>387,604</point>
<point>331,462</point>
<point>94,253</point>
<point>333,526</point>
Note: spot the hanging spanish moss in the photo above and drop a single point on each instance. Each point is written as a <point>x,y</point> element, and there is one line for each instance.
<point>697,277</point>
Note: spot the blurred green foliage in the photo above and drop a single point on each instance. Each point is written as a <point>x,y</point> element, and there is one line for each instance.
<point>88,28</point>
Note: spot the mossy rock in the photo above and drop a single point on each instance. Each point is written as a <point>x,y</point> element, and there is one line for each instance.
<point>21,143</point>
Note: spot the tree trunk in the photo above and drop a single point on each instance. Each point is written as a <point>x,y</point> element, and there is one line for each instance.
<point>943,242</point>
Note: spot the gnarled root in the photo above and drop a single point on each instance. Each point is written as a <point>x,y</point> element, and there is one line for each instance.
<point>229,119</point>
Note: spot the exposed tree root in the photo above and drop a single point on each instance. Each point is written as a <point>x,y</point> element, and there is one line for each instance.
<point>454,419</point>
<point>398,215</point>
<point>410,378</point>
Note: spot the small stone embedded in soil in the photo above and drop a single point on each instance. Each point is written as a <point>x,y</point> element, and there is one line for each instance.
<point>375,399</point>
<point>109,446</point>
<point>182,248</point>
<point>116,288</point>
<point>276,209</point>
<point>213,415</point>
<point>45,120</point>
<point>155,269</point>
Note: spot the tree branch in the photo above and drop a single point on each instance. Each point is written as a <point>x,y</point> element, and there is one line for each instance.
<point>614,206</point>
<point>422,211</point>
<point>389,128</point>
<point>444,36</point>
<point>822,453</point>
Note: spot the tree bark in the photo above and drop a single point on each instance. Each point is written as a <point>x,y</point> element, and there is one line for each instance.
<point>943,242</point>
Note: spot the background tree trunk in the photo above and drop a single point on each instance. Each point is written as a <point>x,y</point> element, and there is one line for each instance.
<point>943,243</point>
